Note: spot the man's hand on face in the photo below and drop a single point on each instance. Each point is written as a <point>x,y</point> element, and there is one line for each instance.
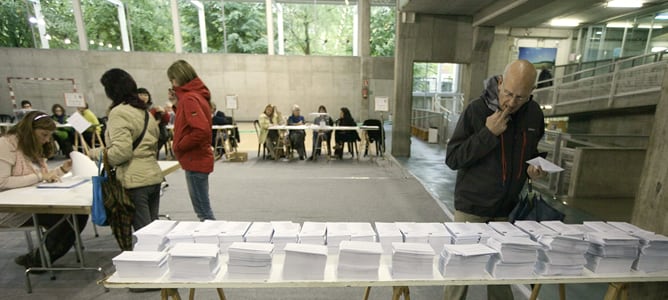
<point>497,122</point>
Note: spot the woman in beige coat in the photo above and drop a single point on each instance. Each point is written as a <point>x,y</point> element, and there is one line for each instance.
<point>132,153</point>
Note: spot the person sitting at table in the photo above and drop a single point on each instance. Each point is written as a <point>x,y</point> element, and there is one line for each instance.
<point>64,136</point>
<point>268,137</point>
<point>132,145</point>
<point>94,128</point>
<point>23,151</point>
<point>322,119</point>
<point>345,136</point>
<point>298,136</point>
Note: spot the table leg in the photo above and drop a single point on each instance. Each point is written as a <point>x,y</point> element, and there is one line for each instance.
<point>614,291</point>
<point>166,293</point>
<point>535,291</point>
<point>367,291</point>
<point>221,294</point>
<point>191,294</point>
<point>398,291</point>
<point>562,291</point>
<point>77,239</point>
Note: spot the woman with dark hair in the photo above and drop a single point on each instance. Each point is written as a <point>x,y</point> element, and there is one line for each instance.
<point>23,151</point>
<point>192,134</point>
<point>345,136</point>
<point>131,138</point>
<point>64,136</point>
<point>323,119</point>
<point>159,115</point>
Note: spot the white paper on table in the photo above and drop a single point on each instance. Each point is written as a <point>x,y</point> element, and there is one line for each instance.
<point>79,123</point>
<point>82,165</point>
<point>545,164</point>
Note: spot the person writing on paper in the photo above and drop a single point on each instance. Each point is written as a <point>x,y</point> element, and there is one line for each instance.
<point>495,136</point>
<point>192,134</point>
<point>94,128</point>
<point>23,153</point>
<point>269,138</point>
<point>297,137</point>
<point>132,139</point>
<point>323,119</point>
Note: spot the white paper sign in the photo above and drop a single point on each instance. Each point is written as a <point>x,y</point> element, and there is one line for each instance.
<point>231,102</point>
<point>382,104</point>
<point>545,164</point>
<point>74,100</point>
<point>79,123</point>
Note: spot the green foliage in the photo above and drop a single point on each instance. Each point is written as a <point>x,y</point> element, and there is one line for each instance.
<point>150,24</point>
<point>382,30</point>
<point>102,25</point>
<point>318,29</point>
<point>60,23</point>
<point>14,26</point>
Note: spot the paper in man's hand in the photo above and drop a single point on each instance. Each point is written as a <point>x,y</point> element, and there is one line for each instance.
<point>545,165</point>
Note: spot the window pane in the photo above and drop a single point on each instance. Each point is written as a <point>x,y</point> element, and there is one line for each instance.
<point>60,24</point>
<point>102,25</point>
<point>245,25</point>
<point>14,26</point>
<point>150,25</point>
<point>314,29</point>
<point>382,30</point>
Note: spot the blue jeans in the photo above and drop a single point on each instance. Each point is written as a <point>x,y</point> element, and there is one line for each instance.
<point>198,188</point>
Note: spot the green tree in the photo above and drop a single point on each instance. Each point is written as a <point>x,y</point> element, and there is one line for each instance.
<point>318,29</point>
<point>382,30</point>
<point>150,25</point>
<point>424,77</point>
<point>60,24</point>
<point>102,25</point>
<point>14,26</point>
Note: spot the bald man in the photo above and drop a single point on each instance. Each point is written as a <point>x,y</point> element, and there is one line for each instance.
<point>495,136</point>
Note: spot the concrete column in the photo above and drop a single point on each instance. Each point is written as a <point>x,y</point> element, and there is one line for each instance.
<point>279,29</point>
<point>476,72</point>
<point>403,87</point>
<point>270,27</point>
<point>651,203</point>
<point>41,25</point>
<point>176,28</point>
<point>81,28</point>
<point>364,48</point>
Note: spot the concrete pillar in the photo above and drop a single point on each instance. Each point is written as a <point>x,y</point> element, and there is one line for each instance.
<point>651,203</point>
<point>176,28</point>
<point>270,27</point>
<point>403,86</point>
<point>81,29</point>
<point>364,47</point>
<point>476,72</point>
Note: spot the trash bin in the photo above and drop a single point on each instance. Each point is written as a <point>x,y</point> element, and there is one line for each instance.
<point>433,135</point>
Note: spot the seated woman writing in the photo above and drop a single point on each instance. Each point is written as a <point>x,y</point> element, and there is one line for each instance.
<point>345,136</point>
<point>23,153</point>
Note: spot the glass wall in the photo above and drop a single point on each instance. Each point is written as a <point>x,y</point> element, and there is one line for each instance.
<point>382,30</point>
<point>318,29</point>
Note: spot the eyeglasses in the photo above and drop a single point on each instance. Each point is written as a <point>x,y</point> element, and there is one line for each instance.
<point>505,93</point>
<point>39,117</point>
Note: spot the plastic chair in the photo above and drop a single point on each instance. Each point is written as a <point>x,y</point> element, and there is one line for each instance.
<point>256,124</point>
<point>4,118</point>
<point>377,136</point>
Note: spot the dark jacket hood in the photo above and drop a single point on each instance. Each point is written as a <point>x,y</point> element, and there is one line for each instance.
<point>491,93</point>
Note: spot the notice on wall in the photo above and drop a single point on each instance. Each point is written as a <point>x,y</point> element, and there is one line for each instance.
<point>382,104</point>
<point>231,102</point>
<point>74,100</point>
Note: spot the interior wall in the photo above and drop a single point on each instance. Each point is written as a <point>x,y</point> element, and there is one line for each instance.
<point>308,81</point>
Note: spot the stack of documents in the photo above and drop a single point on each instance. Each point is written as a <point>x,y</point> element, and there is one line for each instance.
<point>141,265</point>
<point>337,232</point>
<point>249,260</point>
<point>412,260</point>
<point>197,262</point>
<point>232,232</point>
<point>359,260</point>
<point>361,232</point>
<point>152,237</point>
<point>183,232</point>
<point>611,252</point>
<point>507,229</point>
<point>433,233</point>
<point>207,232</point>
<point>572,230</point>
<point>465,261</point>
<point>468,233</point>
<point>599,226</point>
<point>561,255</point>
<point>304,261</point>
<point>516,258</point>
<point>628,228</point>
<point>388,233</point>
<point>653,252</point>
<point>284,232</point>
<point>259,232</point>
<point>534,229</point>
<point>313,233</point>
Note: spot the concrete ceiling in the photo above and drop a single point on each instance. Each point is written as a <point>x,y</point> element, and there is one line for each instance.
<point>526,13</point>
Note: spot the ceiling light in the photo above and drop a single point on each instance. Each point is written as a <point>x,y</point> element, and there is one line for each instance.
<point>564,22</point>
<point>92,42</point>
<point>663,16</point>
<point>624,3</point>
<point>598,32</point>
<point>67,41</point>
<point>631,25</point>
<point>32,20</point>
<point>659,49</point>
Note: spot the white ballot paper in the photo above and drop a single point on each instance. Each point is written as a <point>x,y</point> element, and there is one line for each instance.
<point>82,166</point>
<point>79,123</point>
<point>545,164</point>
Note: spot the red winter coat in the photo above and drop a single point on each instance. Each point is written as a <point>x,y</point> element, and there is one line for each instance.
<point>192,127</point>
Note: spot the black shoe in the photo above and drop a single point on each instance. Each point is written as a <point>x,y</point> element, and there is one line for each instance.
<point>23,260</point>
<point>301,157</point>
<point>310,158</point>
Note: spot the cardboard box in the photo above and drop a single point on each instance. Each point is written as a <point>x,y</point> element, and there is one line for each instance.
<point>237,157</point>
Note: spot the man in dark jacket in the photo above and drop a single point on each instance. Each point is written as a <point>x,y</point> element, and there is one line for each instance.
<point>495,136</point>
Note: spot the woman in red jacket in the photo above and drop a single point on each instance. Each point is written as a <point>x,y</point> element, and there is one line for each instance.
<point>192,134</point>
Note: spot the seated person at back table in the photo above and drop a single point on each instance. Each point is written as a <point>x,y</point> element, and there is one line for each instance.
<point>64,136</point>
<point>345,136</point>
<point>326,120</point>
<point>297,137</point>
<point>23,151</point>
<point>94,127</point>
<point>268,137</point>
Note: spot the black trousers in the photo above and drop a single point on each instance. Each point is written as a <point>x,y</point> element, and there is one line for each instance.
<point>60,239</point>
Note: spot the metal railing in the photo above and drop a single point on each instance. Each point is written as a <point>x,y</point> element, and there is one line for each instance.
<point>435,110</point>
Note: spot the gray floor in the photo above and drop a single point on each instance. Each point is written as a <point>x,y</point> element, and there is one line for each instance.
<point>415,189</point>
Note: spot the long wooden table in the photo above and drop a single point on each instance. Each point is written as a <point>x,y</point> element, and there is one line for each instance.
<point>72,201</point>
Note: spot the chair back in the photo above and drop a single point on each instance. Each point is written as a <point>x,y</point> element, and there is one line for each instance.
<point>375,135</point>
<point>4,118</point>
<point>256,125</point>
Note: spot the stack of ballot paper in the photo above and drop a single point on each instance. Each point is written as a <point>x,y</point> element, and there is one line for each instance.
<point>284,232</point>
<point>191,261</point>
<point>337,232</point>
<point>627,228</point>
<point>388,233</point>
<point>249,260</point>
<point>141,265</point>
<point>572,230</point>
<point>413,232</point>
<point>259,232</point>
<point>207,232</point>
<point>534,229</point>
<point>361,231</point>
<point>412,260</point>
<point>516,258</point>
<point>561,255</point>
<point>359,260</point>
<point>611,251</point>
<point>465,261</point>
<point>313,233</point>
<point>599,226</point>
<point>468,233</point>
<point>304,261</point>
<point>433,233</point>
<point>653,252</point>
<point>152,237</point>
<point>183,232</point>
<point>232,232</point>
<point>507,229</point>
